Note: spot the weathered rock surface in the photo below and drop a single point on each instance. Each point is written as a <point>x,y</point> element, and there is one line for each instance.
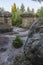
<point>21,60</point>
<point>33,49</point>
<point>34,45</point>
<point>6,51</point>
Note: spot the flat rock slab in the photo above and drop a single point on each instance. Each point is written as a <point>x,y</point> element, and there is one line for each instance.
<point>6,52</point>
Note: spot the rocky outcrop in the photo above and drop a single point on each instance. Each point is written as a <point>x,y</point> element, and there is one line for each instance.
<point>5,22</point>
<point>33,48</point>
<point>6,52</point>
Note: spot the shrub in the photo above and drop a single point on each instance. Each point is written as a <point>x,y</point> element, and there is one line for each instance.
<point>17,43</point>
<point>16,19</point>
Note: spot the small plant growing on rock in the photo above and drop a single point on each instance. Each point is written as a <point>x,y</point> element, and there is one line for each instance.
<point>17,43</point>
<point>21,60</point>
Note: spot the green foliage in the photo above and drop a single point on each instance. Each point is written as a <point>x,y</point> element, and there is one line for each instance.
<point>17,43</point>
<point>1,9</point>
<point>28,10</point>
<point>16,18</point>
<point>40,12</point>
<point>38,0</point>
<point>13,9</point>
<point>22,9</point>
<point>32,11</point>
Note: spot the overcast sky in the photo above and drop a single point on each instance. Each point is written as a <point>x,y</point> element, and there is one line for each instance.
<point>6,4</point>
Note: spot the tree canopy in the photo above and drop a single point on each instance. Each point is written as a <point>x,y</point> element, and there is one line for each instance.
<point>2,10</point>
<point>32,11</point>
<point>40,12</point>
<point>13,9</point>
<point>28,10</point>
<point>16,18</point>
<point>38,0</point>
<point>22,9</point>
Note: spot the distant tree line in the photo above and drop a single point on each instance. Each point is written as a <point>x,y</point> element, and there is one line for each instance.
<point>2,10</point>
<point>16,18</point>
<point>16,12</point>
<point>40,12</point>
<point>38,0</point>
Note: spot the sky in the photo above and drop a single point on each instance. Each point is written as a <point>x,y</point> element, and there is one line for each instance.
<point>6,4</point>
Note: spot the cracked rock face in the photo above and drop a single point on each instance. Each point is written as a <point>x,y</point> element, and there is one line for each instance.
<point>33,48</point>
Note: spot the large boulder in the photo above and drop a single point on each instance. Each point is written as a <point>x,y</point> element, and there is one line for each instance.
<point>33,48</point>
